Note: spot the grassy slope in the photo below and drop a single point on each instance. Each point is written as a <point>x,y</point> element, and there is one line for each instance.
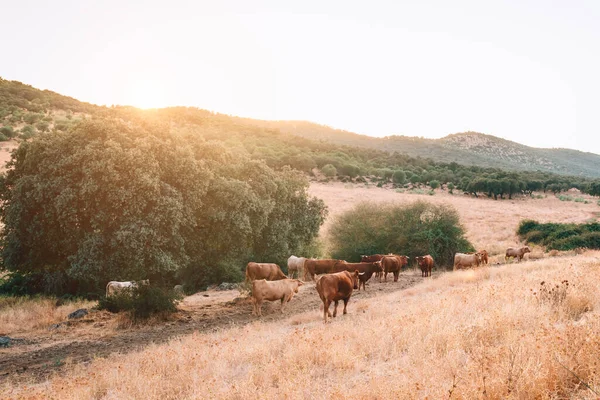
<point>474,334</point>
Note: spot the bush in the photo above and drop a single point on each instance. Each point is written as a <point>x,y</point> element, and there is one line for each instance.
<point>561,236</point>
<point>434,184</point>
<point>415,229</point>
<point>399,177</point>
<point>450,187</point>
<point>8,131</point>
<point>142,301</point>
<point>329,170</point>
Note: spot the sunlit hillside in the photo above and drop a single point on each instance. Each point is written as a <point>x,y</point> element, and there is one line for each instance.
<point>526,330</point>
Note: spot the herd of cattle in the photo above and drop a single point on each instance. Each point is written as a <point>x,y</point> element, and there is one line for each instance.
<point>339,278</point>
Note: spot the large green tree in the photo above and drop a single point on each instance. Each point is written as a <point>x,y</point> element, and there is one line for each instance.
<point>113,200</point>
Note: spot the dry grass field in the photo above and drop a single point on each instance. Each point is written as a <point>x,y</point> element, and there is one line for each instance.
<point>495,332</point>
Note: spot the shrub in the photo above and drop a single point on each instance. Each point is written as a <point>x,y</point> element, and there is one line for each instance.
<point>42,126</point>
<point>3,138</point>
<point>329,170</point>
<point>565,197</point>
<point>434,184</point>
<point>415,229</point>
<point>399,177</point>
<point>450,187</point>
<point>8,131</point>
<point>561,236</point>
<point>142,301</point>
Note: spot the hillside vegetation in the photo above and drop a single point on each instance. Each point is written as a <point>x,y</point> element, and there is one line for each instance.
<point>468,148</point>
<point>402,161</point>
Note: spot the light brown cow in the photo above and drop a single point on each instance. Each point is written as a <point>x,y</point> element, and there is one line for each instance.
<point>393,263</point>
<point>272,291</point>
<point>114,287</point>
<point>317,267</point>
<point>270,272</point>
<point>426,264</point>
<point>295,266</point>
<point>484,256</point>
<point>462,260</point>
<point>336,287</point>
<point>517,252</point>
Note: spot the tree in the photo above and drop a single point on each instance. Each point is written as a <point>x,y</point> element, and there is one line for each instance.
<point>450,187</point>
<point>434,184</point>
<point>117,201</point>
<point>415,229</point>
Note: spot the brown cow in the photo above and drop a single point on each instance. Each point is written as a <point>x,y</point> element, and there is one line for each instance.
<point>373,258</point>
<point>484,256</point>
<point>462,260</point>
<point>426,264</point>
<point>270,272</point>
<point>365,269</point>
<point>336,287</point>
<point>272,291</point>
<point>393,263</point>
<point>517,252</point>
<point>317,267</point>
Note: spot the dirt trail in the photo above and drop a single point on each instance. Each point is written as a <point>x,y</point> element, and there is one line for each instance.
<point>35,356</point>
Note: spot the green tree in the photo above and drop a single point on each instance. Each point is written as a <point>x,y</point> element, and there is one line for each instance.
<point>415,229</point>
<point>117,201</point>
<point>434,184</point>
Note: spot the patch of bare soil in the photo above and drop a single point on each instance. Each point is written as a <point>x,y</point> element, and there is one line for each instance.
<point>36,356</point>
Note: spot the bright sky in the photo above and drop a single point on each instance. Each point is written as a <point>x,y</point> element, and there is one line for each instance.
<point>527,71</point>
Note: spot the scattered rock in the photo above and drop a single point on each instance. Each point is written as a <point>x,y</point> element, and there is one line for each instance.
<point>82,312</point>
<point>205,295</point>
<point>4,341</point>
<point>227,286</point>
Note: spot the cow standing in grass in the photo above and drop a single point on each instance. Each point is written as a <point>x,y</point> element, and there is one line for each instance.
<point>519,252</point>
<point>336,287</point>
<point>426,265</point>
<point>272,291</point>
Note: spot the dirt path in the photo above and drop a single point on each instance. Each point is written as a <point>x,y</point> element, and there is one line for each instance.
<point>35,356</point>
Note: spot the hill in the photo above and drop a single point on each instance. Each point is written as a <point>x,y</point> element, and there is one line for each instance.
<point>467,148</point>
<point>471,162</point>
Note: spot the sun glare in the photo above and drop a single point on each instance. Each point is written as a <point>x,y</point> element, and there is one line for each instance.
<point>147,95</point>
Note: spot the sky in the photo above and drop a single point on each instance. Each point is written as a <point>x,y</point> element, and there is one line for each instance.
<point>527,71</point>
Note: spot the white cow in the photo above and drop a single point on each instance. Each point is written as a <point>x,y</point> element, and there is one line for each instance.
<point>114,287</point>
<point>295,264</point>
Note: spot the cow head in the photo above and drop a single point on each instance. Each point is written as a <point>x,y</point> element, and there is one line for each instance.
<point>419,259</point>
<point>378,266</point>
<point>299,283</point>
<point>355,279</point>
<point>526,249</point>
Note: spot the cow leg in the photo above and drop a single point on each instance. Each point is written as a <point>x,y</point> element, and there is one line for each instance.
<point>396,276</point>
<point>345,304</point>
<point>254,312</point>
<point>335,308</point>
<point>259,308</point>
<point>326,304</point>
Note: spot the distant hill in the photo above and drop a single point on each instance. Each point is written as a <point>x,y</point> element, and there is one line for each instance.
<point>468,148</point>
<point>26,111</point>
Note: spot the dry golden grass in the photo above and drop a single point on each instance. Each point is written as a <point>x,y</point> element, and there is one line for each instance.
<point>486,333</point>
<point>490,224</point>
<point>20,314</point>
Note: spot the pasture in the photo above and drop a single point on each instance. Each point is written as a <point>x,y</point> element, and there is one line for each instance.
<point>487,333</point>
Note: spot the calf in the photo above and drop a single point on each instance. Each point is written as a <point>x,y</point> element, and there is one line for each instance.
<point>272,291</point>
<point>519,253</point>
<point>426,264</point>
<point>336,287</point>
